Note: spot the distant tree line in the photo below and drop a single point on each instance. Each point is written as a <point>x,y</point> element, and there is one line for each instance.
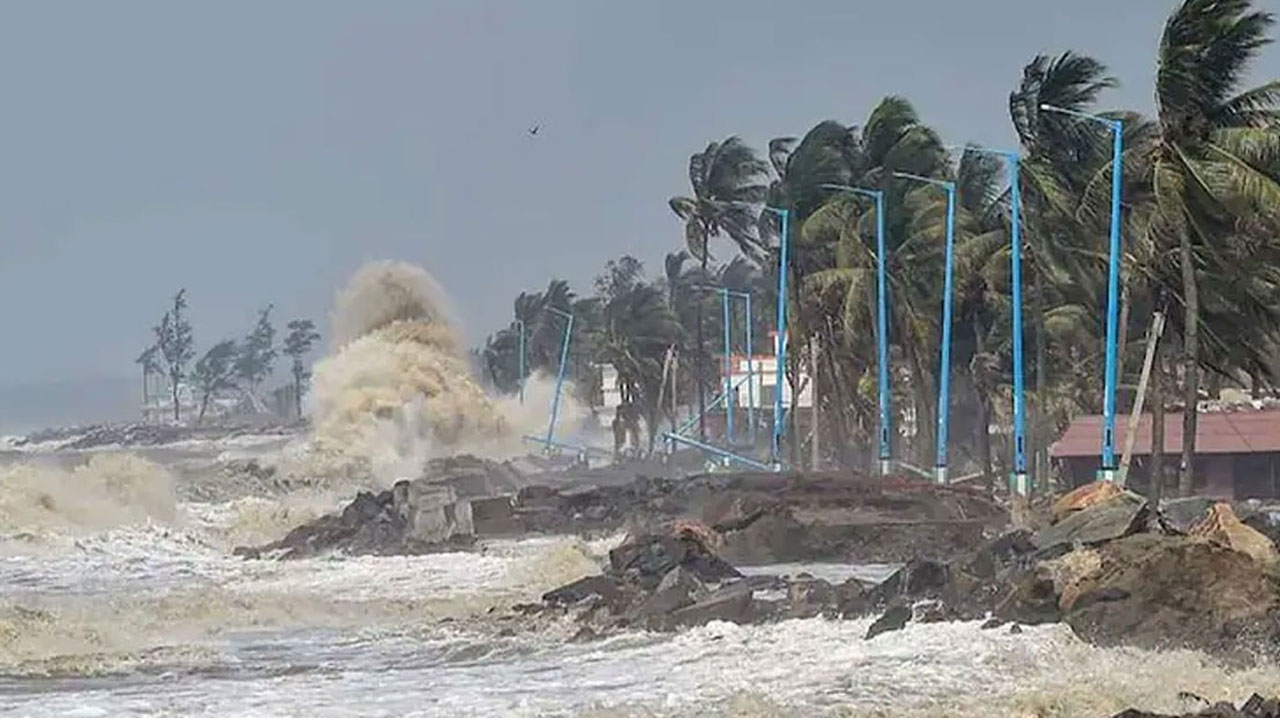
<point>228,365</point>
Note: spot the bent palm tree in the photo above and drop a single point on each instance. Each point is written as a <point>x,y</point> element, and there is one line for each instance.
<point>728,186</point>
<point>1214,158</point>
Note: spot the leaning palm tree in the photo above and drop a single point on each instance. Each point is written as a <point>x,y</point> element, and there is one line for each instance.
<point>728,186</point>
<point>1213,161</point>
<point>639,327</point>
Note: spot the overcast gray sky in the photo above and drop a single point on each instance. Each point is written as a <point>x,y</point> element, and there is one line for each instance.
<point>258,152</point>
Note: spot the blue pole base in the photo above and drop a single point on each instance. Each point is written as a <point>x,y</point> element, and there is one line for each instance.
<point>940,475</point>
<point>1106,474</point>
<point>886,467</point>
<point>1021,484</point>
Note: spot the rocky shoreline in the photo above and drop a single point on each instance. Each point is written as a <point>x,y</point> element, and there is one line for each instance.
<point>1191,573</point>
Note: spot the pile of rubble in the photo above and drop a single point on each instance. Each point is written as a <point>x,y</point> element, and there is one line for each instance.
<point>673,578</point>
<point>1186,574</point>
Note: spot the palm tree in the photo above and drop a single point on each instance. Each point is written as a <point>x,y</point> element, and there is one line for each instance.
<point>728,187</point>
<point>639,328</point>
<point>1214,159</point>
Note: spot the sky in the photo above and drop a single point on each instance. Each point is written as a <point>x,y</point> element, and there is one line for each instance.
<point>259,153</point>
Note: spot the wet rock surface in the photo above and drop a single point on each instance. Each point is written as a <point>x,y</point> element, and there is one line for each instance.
<point>674,578</point>
<point>1118,575</point>
<point>1256,706</point>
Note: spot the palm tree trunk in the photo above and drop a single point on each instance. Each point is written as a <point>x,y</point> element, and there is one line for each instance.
<point>816,448</point>
<point>1190,367</point>
<point>173,381</point>
<point>1039,416</point>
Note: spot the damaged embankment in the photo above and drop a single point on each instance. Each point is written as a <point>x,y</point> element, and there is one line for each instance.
<point>1186,574</point>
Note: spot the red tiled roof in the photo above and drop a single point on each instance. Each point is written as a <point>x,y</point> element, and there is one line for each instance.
<point>1244,431</point>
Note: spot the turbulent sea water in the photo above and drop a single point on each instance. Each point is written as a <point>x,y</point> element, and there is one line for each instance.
<point>119,593</point>
<point>108,610</point>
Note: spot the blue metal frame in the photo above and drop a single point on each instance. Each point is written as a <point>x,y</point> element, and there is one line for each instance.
<point>728,371</point>
<point>726,294</point>
<point>564,359</point>
<point>944,374</point>
<point>882,326</point>
<point>783,243</point>
<point>1113,285</point>
<point>728,456</point>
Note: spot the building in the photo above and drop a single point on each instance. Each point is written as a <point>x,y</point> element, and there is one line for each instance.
<point>1237,452</point>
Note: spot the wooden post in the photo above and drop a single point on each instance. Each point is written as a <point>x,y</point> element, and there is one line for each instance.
<point>1131,432</point>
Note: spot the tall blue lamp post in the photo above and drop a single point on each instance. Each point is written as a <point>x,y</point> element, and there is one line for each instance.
<point>564,360</point>
<point>781,359</point>
<point>1020,480</point>
<point>1107,471</point>
<point>944,373</point>
<point>882,324</point>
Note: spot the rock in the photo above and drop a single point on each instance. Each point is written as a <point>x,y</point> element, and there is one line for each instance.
<point>895,618</point>
<point>916,579</point>
<point>1223,527</point>
<point>1084,497</point>
<point>677,590</point>
<point>929,611</point>
<point>993,623</point>
<point>650,557</point>
<point>1109,519</point>
<point>1170,591</point>
<point>602,586</point>
<point>731,603</point>
<point>850,599</point>
<point>1259,707</point>
<point>494,516</point>
<point>1181,514</point>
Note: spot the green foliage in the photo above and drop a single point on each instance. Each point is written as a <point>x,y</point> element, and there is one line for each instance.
<point>257,354</point>
<point>175,344</point>
<point>215,372</point>
<point>302,336</point>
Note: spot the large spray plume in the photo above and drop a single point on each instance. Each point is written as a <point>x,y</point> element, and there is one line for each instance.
<point>397,390</point>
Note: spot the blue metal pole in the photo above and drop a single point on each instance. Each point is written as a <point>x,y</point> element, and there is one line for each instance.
<point>882,338</point>
<point>564,361</point>
<point>944,374</point>
<point>751,379</point>
<point>718,451</point>
<point>781,358</point>
<point>1019,397</point>
<point>520,324</point>
<point>728,372</point>
<point>1113,290</point>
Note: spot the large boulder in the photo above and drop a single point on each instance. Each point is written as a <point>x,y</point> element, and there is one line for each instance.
<point>1115,517</point>
<point>1222,526</point>
<point>1084,497</point>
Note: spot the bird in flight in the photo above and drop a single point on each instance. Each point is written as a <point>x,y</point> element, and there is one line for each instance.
<point>534,129</point>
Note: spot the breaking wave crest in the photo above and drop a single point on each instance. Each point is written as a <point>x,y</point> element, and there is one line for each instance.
<point>107,491</point>
<point>397,389</point>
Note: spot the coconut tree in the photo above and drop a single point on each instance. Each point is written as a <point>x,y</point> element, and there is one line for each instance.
<point>1214,160</point>
<point>728,186</point>
<point>639,328</point>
